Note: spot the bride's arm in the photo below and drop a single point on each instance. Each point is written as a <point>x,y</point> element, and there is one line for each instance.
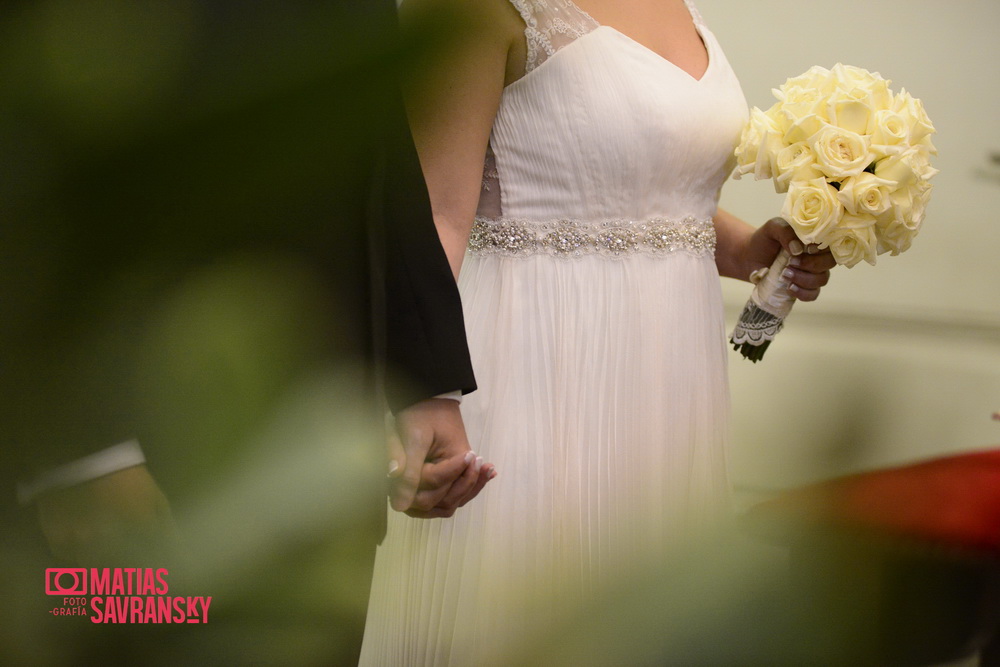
<point>452,98</point>
<point>742,249</point>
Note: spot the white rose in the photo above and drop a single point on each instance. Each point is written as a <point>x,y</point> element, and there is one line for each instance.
<point>853,239</point>
<point>760,144</point>
<point>816,77</point>
<point>912,110</point>
<point>919,159</point>
<point>896,171</point>
<point>894,237</point>
<point>850,113</point>
<point>881,96</point>
<point>909,204</point>
<point>876,88</point>
<point>797,102</point>
<point>850,76</point>
<point>927,144</point>
<point>779,119</point>
<point>795,163</point>
<point>890,134</point>
<point>804,129</point>
<point>920,201</point>
<point>746,151</point>
<point>841,153</point>
<point>812,209</point>
<point>865,193</point>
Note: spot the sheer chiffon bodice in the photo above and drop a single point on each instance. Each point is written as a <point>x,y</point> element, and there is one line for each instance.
<point>601,127</point>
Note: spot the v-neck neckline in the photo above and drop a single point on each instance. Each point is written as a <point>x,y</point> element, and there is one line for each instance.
<point>698,29</point>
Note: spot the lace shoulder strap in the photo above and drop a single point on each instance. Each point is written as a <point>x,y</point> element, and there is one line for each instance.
<point>549,26</point>
<point>695,14</point>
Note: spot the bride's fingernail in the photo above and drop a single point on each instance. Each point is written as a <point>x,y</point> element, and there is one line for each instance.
<point>479,463</point>
<point>796,247</point>
<point>788,273</point>
<point>493,474</point>
<point>393,467</point>
<point>469,456</point>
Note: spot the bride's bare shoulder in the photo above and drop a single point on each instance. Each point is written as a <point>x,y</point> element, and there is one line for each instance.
<point>483,28</point>
<point>499,17</point>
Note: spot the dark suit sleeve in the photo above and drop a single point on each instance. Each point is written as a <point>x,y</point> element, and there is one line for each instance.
<point>425,344</point>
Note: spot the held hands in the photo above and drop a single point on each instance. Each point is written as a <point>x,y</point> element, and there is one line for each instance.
<point>809,268</point>
<point>432,467</point>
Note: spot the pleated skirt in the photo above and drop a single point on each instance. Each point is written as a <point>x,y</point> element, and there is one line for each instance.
<point>603,402</point>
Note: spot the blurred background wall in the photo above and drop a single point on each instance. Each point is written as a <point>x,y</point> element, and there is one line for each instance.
<point>900,361</point>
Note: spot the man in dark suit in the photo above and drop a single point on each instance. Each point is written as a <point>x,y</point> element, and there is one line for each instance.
<point>183,196</point>
<point>426,350</point>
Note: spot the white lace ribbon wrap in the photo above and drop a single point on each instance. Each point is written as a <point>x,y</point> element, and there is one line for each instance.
<point>768,306</point>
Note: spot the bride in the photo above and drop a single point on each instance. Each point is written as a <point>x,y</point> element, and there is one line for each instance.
<point>574,153</point>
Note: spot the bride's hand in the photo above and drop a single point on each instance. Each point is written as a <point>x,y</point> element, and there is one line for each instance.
<point>809,268</point>
<point>433,469</point>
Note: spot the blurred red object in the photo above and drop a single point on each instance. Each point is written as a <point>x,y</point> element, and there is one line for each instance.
<point>952,501</point>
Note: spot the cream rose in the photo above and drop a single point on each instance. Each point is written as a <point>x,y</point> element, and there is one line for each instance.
<point>746,151</point>
<point>760,144</point>
<point>804,129</point>
<point>850,106</point>
<point>850,76</point>
<point>778,118</point>
<point>812,209</point>
<point>865,193</point>
<point>795,163</point>
<point>841,153</point>
<point>909,205</point>
<point>876,89</point>
<point>851,113</point>
<point>919,159</point>
<point>853,240</point>
<point>912,110</point>
<point>890,134</point>
<point>894,237</point>
<point>897,171</point>
<point>816,77</point>
<point>797,102</point>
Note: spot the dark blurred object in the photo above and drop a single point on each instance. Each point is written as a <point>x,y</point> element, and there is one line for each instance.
<point>144,148</point>
<point>201,205</point>
<point>902,565</point>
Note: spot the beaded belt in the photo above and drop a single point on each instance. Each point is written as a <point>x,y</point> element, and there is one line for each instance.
<point>613,238</point>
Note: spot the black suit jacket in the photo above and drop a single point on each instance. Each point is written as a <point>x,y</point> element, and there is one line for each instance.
<point>426,350</point>
<point>274,144</point>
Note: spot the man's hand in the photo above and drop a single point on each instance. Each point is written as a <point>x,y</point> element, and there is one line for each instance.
<point>433,468</point>
<point>118,514</point>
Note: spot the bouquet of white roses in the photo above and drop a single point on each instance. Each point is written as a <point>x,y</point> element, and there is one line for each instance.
<point>854,160</point>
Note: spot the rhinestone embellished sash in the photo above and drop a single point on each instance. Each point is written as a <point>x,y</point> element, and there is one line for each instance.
<point>612,238</point>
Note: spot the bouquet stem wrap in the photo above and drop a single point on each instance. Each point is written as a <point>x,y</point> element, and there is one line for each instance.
<point>765,312</point>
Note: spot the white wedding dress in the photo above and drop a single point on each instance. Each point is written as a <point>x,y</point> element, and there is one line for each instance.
<point>595,321</point>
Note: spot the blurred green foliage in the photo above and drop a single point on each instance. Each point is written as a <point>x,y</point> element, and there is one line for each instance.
<point>183,257</point>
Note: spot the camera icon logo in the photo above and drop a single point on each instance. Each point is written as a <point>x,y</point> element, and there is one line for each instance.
<point>66,581</point>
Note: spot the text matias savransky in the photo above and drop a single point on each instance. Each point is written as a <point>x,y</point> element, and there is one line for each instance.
<point>123,595</point>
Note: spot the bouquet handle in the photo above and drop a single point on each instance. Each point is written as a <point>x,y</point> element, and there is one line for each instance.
<point>765,311</point>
